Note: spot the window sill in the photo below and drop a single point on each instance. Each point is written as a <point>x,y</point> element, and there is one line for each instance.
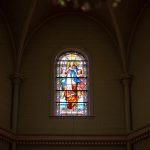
<point>71,117</point>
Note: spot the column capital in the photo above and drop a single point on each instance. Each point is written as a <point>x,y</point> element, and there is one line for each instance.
<point>126,79</point>
<point>17,77</point>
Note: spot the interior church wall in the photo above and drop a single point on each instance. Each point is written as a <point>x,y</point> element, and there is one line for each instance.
<point>69,31</point>
<point>142,145</point>
<point>139,68</point>
<point>5,72</point>
<point>4,145</point>
<point>5,82</point>
<point>65,32</point>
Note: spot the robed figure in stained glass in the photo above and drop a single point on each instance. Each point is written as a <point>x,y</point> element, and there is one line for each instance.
<point>71,84</point>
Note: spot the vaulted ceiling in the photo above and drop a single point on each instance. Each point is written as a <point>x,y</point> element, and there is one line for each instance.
<point>23,16</point>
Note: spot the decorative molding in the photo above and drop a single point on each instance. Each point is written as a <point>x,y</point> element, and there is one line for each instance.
<point>118,36</point>
<point>17,76</point>
<point>47,139</point>
<point>7,135</point>
<point>126,79</point>
<point>24,34</point>
<point>71,139</point>
<point>139,135</point>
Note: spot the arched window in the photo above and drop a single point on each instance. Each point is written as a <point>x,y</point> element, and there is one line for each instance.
<point>71,84</point>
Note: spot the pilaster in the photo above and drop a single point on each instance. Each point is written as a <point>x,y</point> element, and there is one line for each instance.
<point>16,82</point>
<point>126,82</point>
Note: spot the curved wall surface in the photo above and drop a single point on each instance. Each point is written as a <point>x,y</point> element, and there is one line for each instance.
<point>57,34</point>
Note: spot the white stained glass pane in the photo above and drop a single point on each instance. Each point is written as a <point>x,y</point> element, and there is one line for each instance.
<point>71,56</point>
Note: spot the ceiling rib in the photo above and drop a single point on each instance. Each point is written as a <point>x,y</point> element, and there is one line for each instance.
<point>24,34</point>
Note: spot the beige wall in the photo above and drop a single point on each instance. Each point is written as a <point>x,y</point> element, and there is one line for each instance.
<point>5,83</point>
<point>4,145</point>
<point>5,72</point>
<point>140,69</point>
<point>143,145</point>
<point>71,31</point>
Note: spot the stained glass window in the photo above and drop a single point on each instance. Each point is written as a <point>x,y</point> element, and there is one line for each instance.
<point>71,85</point>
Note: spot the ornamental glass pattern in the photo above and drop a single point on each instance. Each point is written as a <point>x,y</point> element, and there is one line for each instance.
<point>71,85</point>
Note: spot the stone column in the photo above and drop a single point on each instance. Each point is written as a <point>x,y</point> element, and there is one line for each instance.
<point>126,82</point>
<point>16,82</point>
